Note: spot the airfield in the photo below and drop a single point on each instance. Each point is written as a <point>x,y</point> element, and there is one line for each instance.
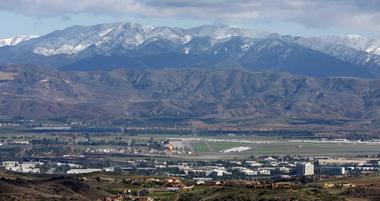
<point>225,147</point>
<point>185,146</point>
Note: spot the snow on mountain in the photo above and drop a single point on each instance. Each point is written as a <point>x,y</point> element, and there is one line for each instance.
<point>72,40</point>
<point>77,38</point>
<point>105,37</point>
<point>369,45</point>
<point>353,41</point>
<point>131,39</point>
<point>351,48</point>
<point>222,32</point>
<point>15,40</point>
<point>373,46</point>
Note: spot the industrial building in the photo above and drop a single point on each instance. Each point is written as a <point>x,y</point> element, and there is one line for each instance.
<point>305,169</point>
<point>332,171</point>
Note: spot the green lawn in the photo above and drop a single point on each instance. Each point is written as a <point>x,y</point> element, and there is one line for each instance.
<point>281,148</point>
<point>285,147</point>
<point>163,195</point>
<point>200,147</point>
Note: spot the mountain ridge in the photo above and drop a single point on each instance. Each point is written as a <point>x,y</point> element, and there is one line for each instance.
<point>131,45</point>
<point>226,95</point>
<point>16,40</point>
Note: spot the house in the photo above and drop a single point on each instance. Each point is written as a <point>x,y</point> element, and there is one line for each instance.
<point>144,199</point>
<point>200,182</point>
<point>282,185</point>
<point>143,192</point>
<point>328,185</point>
<point>115,198</point>
<point>348,185</point>
<point>187,188</point>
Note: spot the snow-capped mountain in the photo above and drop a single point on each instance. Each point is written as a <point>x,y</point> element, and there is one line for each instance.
<point>369,45</point>
<point>373,46</point>
<point>106,37</point>
<point>350,40</point>
<point>103,38</point>
<point>15,40</point>
<point>222,32</point>
<point>350,48</point>
<point>131,45</point>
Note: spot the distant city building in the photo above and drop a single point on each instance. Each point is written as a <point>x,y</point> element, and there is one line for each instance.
<point>109,169</point>
<point>219,172</point>
<point>246,171</point>
<point>332,171</point>
<point>26,167</point>
<point>18,142</point>
<point>305,169</point>
<point>83,171</point>
<point>264,172</point>
<point>342,161</point>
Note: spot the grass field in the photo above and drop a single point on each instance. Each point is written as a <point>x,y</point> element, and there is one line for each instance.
<point>163,195</point>
<point>200,147</point>
<point>286,147</point>
<point>282,148</point>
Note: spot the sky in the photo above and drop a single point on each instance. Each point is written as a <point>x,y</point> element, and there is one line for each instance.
<point>293,17</point>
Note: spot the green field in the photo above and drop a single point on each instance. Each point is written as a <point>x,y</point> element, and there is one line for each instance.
<point>287,148</point>
<point>283,148</point>
<point>163,195</point>
<point>200,147</point>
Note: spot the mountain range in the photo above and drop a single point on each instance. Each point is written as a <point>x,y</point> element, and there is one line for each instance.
<point>208,73</point>
<point>257,98</point>
<point>134,46</point>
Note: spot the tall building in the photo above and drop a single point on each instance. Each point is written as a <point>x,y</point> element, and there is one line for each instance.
<point>305,169</point>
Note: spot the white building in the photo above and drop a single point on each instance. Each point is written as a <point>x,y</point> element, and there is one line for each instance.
<point>264,172</point>
<point>219,172</point>
<point>254,163</point>
<point>305,169</point>
<point>83,171</point>
<point>26,167</point>
<point>109,169</point>
<point>249,172</point>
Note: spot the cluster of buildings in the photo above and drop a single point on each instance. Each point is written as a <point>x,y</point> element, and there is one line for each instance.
<point>337,167</point>
<point>51,168</point>
<point>268,167</point>
<point>264,167</point>
<point>22,167</point>
<point>89,170</point>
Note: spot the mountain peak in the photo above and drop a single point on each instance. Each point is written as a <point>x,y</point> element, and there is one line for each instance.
<point>75,39</point>
<point>127,44</point>
<point>15,40</point>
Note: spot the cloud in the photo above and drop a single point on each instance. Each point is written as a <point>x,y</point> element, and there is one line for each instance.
<point>353,14</point>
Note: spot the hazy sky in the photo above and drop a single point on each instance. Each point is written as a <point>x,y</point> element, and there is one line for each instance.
<point>295,17</point>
